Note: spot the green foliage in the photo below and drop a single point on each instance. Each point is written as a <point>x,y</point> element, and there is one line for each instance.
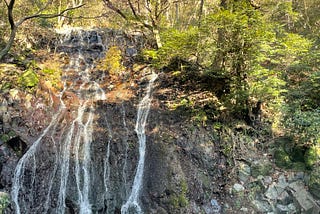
<point>112,61</point>
<point>29,79</point>
<point>282,158</point>
<point>4,201</point>
<point>176,45</point>
<point>53,75</point>
<point>312,156</point>
<point>180,200</point>
<point>304,126</point>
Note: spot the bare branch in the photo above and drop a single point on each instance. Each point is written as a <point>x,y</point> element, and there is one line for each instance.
<point>10,14</point>
<point>115,9</point>
<point>47,16</point>
<point>7,4</point>
<point>132,9</point>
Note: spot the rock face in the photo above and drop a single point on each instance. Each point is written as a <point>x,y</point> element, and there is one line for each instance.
<point>78,153</point>
<point>77,150</point>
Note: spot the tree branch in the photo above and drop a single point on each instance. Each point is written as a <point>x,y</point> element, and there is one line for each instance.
<point>5,1</point>
<point>115,9</point>
<point>47,16</point>
<point>132,9</point>
<point>10,13</point>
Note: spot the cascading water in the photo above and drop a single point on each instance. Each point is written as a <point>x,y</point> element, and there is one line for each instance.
<point>81,162</point>
<point>74,140</point>
<point>143,111</point>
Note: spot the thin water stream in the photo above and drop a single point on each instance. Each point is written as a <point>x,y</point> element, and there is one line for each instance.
<point>143,111</point>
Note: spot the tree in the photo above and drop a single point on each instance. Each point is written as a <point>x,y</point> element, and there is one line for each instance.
<point>40,13</point>
<point>147,14</point>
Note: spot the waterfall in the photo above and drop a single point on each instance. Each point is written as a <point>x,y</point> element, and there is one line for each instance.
<point>80,163</point>
<point>73,141</point>
<point>20,168</point>
<point>143,111</point>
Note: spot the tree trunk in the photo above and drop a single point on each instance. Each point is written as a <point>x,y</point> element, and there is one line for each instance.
<point>9,44</point>
<point>200,12</point>
<point>156,35</point>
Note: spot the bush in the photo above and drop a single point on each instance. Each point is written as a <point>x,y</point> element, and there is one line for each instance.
<point>4,201</point>
<point>112,61</point>
<point>28,79</point>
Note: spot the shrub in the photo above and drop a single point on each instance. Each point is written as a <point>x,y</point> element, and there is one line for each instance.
<point>112,61</point>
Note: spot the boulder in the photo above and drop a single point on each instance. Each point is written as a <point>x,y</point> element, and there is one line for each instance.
<point>244,172</point>
<point>261,167</point>
<point>303,199</point>
<point>237,188</point>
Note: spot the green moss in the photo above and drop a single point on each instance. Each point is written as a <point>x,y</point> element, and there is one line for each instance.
<point>298,166</point>
<point>174,201</point>
<point>112,61</point>
<point>262,168</point>
<point>53,76</point>
<point>8,136</point>
<point>183,201</point>
<point>282,159</point>
<point>28,79</point>
<point>179,200</point>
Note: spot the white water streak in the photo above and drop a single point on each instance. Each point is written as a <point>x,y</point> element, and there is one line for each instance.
<point>125,140</point>
<point>20,168</point>
<point>78,135</point>
<point>143,111</point>
<point>107,167</point>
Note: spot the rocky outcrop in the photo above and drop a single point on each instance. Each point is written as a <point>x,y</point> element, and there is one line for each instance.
<point>186,167</point>
<point>184,170</point>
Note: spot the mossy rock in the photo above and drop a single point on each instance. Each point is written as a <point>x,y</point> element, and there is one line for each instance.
<point>261,167</point>
<point>298,166</point>
<point>282,159</point>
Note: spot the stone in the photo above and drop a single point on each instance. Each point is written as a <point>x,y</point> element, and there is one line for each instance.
<point>262,206</point>
<point>282,209</point>
<point>14,93</point>
<point>244,209</point>
<point>303,199</point>
<point>267,180</point>
<point>282,182</point>
<point>284,198</point>
<point>244,172</point>
<point>272,192</point>
<point>237,188</point>
<point>261,167</point>
<point>215,206</point>
<point>314,184</point>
